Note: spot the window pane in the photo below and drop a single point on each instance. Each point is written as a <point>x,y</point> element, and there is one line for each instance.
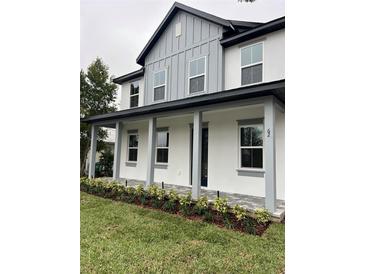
<point>159,93</point>
<point>245,136</point>
<point>256,136</point>
<point>133,141</point>
<point>246,76</point>
<point>251,75</point>
<point>134,101</point>
<point>257,73</point>
<point>246,156</point>
<point>132,154</point>
<point>257,53</point>
<point>197,84</point>
<point>201,65</point>
<point>162,155</point>
<point>246,56</point>
<point>159,78</point>
<point>193,68</point>
<point>257,157</point>
<point>162,139</point>
<point>134,88</point>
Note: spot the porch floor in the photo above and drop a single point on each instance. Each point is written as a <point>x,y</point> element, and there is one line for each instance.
<point>247,201</point>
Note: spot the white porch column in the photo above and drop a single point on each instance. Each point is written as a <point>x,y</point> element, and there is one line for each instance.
<point>151,150</point>
<point>270,155</point>
<point>94,132</point>
<point>197,155</point>
<point>117,150</point>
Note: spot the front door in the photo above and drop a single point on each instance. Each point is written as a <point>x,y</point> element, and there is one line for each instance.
<point>204,163</point>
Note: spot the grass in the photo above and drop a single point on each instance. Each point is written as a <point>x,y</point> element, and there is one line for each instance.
<point>122,238</point>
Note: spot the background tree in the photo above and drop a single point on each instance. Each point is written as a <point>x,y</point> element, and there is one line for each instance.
<point>97,95</point>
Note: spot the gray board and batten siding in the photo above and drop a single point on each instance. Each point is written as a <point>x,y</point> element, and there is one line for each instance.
<point>198,38</point>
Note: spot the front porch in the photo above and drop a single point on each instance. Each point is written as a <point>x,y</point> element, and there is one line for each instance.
<point>187,165</point>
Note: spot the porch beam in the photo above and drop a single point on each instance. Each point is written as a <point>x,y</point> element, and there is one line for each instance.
<point>270,154</point>
<point>117,150</point>
<point>197,150</point>
<point>151,150</point>
<point>94,133</point>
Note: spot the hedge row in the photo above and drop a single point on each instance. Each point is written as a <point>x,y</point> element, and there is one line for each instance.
<point>218,212</point>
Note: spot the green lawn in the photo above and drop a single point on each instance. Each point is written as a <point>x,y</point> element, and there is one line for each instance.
<point>122,238</point>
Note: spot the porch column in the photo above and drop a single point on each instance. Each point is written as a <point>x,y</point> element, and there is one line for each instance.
<point>197,155</point>
<point>117,150</point>
<point>151,149</point>
<point>270,155</point>
<point>94,132</point>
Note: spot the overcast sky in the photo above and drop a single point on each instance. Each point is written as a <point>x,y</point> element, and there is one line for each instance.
<point>117,30</point>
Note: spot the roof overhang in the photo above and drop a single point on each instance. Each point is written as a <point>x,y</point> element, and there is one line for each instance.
<point>263,29</point>
<point>275,88</point>
<point>130,76</point>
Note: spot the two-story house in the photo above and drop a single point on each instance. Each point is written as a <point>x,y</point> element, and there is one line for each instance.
<point>206,109</point>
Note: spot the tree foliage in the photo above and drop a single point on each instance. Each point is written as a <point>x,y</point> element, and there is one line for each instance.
<point>97,95</point>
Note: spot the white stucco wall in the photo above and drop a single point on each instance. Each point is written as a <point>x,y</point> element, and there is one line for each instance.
<point>123,101</point>
<point>222,152</point>
<point>274,59</point>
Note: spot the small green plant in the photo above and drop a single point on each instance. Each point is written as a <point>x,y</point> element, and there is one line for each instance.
<point>221,205</point>
<point>201,205</point>
<point>239,212</point>
<point>152,191</point>
<point>208,216</point>
<point>173,196</point>
<point>249,226</point>
<point>161,193</point>
<point>131,194</point>
<point>172,199</point>
<point>185,204</point>
<point>139,190</point>
<point>262,215</point>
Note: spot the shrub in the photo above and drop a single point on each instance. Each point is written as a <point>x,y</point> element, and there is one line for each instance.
<point>249,226</point>
<point>221,205</point>
<point>173,196</point>
<point>152,191</point>
<point>262,215</point>
<point>170,204</point>
<point>185,204</point>
<point>208,216</point>
<point>239,212</point>
<point>201,205</point>
<point>131,194</point>
<point>139,190</point>
<point>160,194</point>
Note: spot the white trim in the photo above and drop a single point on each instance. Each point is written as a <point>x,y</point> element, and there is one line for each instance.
<point>165,85</point>
<point>253,169</point>
<point>168,149</point>
<point>198,75</point>
<point>128,147</point>
<point>252,64</point>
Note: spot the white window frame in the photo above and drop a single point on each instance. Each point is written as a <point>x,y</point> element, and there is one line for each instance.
<point>240,167</point>
<point>253,64</point>
<point>157,147</point>
<point>195,76</point>
<point>164,84</point>
<point>128,147</point>
<point>137,94</point>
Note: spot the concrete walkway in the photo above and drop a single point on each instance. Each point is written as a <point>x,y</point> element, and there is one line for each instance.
<point>246,201</point>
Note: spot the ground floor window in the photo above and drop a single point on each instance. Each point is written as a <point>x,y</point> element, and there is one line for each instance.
<point>251,146</point>
<point>132,147</point>
<point>162,147</point>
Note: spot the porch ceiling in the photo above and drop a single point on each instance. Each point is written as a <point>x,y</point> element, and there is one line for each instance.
<point>275,88</point>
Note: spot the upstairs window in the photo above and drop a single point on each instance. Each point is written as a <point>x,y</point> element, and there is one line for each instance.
<point>251,64</point>
<point>159,86</point>
<point>132,147</point>
<point>197,75</point>
<point>251,146</point>
<point>162,147</point>
<point>134,94</point>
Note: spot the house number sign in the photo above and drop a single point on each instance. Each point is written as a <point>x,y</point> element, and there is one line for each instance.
<point>268,132</point>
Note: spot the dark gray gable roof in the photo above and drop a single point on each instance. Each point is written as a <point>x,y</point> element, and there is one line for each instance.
<point>130,76</point>
<point>275,88</point>
<point>173,10</point>
<point>262,29</point>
